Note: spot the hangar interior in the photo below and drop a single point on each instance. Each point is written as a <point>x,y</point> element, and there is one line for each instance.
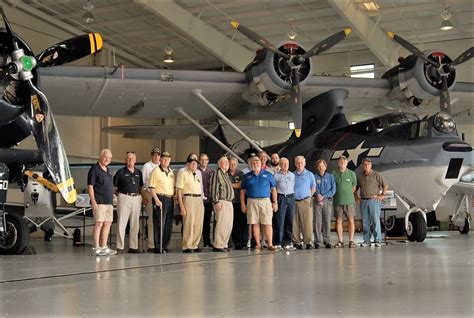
<point>137,33</point>
<point>406,279</point>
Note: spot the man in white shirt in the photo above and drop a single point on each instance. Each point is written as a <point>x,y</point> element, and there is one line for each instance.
<point>146,171</point>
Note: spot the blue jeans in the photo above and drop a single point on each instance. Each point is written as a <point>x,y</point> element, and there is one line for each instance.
<point>370,210</point>
<point>283,220</point>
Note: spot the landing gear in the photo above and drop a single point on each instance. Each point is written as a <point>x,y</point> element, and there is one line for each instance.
<point>416,227</point>
<point>467,225</point>
<point>15,237</point>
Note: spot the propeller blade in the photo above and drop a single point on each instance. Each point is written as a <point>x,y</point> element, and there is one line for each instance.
<point>411,48</point>
<point>296,103</point>
<point>50,146</point>
<point>444,99</point>
<point>70,50</point>
<point>327,43</point>
<point>257,39</point>
<point>11,36</point>
<point>465,56</point>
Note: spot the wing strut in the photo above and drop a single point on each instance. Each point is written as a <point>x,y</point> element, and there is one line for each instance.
<point>199,94</point>
<point>208,134</point>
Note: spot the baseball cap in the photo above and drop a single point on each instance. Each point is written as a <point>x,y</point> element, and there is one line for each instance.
<point>253,157</point>
<point>166,154</point>
<point>156,150</point>
<point>192,157</point>
<point>367,159</point>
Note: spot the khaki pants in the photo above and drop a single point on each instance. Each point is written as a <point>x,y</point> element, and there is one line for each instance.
<point>303,220</point>
<point>128,208</point>
<point>192,222</point>
<point>224,221</point>
<point>149,222</point>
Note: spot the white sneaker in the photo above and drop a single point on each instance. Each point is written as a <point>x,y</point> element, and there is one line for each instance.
<point>249,244</point>
<point>107,251</point>
<point>377,244</point>
<point>278,248</point>
<point>364,244</point>
<point>264,244</point>
<point>290,247</point>
<point>96,251</point>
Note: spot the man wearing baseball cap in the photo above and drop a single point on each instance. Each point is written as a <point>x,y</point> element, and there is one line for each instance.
<point>191,206</point>
<point>161,186</point>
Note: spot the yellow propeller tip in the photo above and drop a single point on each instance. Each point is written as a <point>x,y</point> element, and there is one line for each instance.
<point>348,31</point>
<point>71,196</point>
<point>99,41</point>
<point>391,34</point>
<point>234,24</point>
<point>298,133</point>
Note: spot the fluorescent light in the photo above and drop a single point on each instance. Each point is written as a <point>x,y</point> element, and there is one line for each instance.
<point>291,125</point>
<point>371,6</point>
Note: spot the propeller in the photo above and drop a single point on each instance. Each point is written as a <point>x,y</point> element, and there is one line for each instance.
<point>294,62</point>
<point>37,111</point>
<point>443,70</point>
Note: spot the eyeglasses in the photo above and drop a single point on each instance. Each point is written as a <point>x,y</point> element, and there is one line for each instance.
<point>130,152</point>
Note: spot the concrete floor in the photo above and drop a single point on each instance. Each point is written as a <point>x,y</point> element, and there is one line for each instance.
<point>433,278</point>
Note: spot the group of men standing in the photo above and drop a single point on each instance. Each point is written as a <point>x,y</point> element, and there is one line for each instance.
<point>291,210</point>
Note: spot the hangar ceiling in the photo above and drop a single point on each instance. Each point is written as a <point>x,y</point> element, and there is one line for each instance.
<point>195,28</point>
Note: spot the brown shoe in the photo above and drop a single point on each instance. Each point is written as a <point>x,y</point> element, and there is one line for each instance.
<point>119,251</point>
<point>272,248</point>
<point>133,251</point>
<point>258,248</point>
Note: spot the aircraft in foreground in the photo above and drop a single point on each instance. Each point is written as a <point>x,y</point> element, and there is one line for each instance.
<point>25,110</point>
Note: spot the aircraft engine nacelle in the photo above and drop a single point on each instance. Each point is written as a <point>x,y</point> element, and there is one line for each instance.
<point>269,74</point>
<point>414,80</point>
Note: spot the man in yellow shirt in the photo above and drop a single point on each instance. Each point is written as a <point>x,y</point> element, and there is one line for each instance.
<point>191,206</point>
<point>161,186</point>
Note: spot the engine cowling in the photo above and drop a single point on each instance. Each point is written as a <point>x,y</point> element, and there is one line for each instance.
<point>269,74</point>
<point>415,80</point>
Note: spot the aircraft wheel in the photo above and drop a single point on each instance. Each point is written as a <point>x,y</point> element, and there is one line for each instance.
<point>16,237</point>
<point>467,225</point>
<point>395,226</point>
<point>416,230</point>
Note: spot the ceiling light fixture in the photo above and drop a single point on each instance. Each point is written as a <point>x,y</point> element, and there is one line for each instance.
<point>88,17</point>
<point>168,55</point>
<point>292,33</point>
<point>371,6</point>
<point>446,24</point>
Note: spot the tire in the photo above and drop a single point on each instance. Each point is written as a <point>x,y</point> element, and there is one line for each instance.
<point>395,226</point>
<point>416,227</point>
<point>465,229</point>
<point>16,238</point>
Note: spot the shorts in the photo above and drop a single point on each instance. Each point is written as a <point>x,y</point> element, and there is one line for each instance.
<point>347,210</point>
<point>259,211</point>
<point>104,213</point>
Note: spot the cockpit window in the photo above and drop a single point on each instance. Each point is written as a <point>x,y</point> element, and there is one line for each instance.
<point>424,128</point>
<point>376,125</point>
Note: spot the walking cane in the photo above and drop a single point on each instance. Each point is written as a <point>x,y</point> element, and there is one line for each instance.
<point>161,227</point>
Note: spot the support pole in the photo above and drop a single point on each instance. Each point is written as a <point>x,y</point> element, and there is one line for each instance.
<point>208,134</point>
<point>198,93</point>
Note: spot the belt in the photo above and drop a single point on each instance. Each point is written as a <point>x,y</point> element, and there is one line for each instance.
<point>290,195</point>
<point>302,199</point>
<point>191,195</point>
<point>164,195</point>
<point>131,194</point>
<point>371,198</point>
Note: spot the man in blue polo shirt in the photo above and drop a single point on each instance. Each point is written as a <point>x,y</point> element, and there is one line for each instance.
<point>305,186</point>
<point>259,186</point>
<point>322,206</point>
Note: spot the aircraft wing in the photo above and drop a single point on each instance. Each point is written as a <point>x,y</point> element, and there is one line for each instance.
<point>145,93</point>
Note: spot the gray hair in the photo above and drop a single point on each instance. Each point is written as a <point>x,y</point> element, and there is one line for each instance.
<point>300,158</point>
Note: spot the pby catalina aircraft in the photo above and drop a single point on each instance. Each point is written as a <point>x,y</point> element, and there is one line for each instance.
<point>25,110</point>
<point>274,85</point>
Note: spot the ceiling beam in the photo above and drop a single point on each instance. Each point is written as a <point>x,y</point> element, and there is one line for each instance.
<point>27,9</point>
<point>208,37</point>
<point>376,40</point>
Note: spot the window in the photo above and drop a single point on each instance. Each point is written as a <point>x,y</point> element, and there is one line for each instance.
<point>363,70</point>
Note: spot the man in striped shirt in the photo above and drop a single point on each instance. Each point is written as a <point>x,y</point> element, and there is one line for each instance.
<point>222,194</point>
